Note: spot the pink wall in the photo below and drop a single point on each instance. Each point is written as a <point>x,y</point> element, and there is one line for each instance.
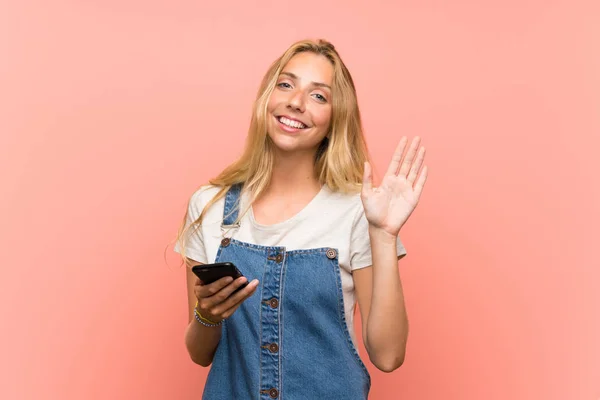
<point>112,112</point>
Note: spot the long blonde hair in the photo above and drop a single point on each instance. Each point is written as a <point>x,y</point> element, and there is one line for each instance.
<point>339,161</point>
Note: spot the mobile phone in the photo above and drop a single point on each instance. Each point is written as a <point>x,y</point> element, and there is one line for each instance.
<point>209,273</point>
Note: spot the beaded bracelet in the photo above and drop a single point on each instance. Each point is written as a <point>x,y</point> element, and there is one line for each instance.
<point>204,321</point>
<point>201,320</point>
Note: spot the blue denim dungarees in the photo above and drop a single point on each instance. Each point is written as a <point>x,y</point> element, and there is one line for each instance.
<point>289,340</point>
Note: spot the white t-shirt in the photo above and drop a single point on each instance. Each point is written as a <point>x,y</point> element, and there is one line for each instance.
<point>331,219</point>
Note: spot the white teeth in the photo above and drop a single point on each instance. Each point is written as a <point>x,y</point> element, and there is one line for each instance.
<point>293,124</point>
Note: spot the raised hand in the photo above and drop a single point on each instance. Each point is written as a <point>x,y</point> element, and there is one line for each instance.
<point>389,206</point>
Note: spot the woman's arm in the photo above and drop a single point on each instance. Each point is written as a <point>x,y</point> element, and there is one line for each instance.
<point>381,303</point>
<point>379,290</point>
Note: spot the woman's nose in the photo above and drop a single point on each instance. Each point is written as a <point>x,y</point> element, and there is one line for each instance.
<point>297,102</point>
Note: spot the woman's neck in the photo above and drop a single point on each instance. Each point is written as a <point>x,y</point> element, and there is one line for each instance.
<point>293,174</point>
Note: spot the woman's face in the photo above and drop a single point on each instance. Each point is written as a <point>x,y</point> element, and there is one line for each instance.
<point>299,109</point>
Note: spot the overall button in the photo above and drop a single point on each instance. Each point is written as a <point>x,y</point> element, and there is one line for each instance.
<point>273,348</point>
<point>331,254</point>
<point>225,242</point>
<point>274,393</point>
<point>274,303</point>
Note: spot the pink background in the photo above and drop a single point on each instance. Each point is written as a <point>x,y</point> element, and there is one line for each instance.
<point>113,112</point>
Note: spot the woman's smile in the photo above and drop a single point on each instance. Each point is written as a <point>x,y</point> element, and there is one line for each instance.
<point>290,125</point>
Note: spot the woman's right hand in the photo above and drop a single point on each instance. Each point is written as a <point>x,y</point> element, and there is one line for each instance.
<point>215,301</point>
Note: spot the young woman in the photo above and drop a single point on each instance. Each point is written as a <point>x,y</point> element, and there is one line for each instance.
<point>299,217</point>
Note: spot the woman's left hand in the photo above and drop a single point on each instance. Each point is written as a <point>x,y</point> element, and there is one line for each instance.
<point>388,206</point>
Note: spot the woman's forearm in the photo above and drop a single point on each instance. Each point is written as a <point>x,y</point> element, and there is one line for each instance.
<point>201,342</point>
<point>387,325</point>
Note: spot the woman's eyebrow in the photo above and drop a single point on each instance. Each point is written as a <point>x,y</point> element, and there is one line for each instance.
<point>294,76</point>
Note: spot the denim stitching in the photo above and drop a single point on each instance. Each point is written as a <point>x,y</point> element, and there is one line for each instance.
<point>260,331</point>
<point>260,248</point>
<point>281,290</point>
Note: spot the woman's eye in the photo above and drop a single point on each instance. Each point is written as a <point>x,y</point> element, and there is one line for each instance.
<point>320,97</point>
<point>284,85</point>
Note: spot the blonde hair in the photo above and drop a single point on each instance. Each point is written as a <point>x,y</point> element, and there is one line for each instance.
<point>339,161</point>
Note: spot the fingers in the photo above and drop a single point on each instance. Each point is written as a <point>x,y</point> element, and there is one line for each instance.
<point>227,308</point>
<point>410,155</point>
<point>230,311</point>
<point>414,170</point>
<point>421,182</point>
<point>229,289</point>
<point>216,298</point>
<point>397,157</point>
<point>209,296</point>
<point>213,288</point>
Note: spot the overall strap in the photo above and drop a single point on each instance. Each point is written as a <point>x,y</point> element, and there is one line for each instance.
<point>231,209</point>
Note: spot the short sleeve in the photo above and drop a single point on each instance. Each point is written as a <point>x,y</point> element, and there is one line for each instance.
<point>194,245</point>
<point>360,242</point>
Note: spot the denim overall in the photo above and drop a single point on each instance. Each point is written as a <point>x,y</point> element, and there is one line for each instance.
<point>288,340</point>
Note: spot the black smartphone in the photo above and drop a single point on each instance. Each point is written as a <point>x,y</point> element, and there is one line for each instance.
<point>208,273</point>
